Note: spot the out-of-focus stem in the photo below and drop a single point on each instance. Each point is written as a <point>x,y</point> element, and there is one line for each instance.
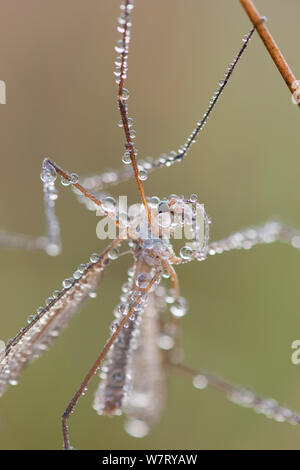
<point>274,51</point>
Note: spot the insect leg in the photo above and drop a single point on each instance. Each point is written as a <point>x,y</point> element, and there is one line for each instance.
<point>269,232</point>
<point>49,321</point>
<point>81,390</point>
<point>51,243</point>
<point>173,326</point>
<point>123,47</point>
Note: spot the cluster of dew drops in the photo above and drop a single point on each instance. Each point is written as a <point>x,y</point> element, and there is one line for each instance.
<point>178,306</point>
<point>120,72</point>
<point>69,282</point>
<point>139,298</point>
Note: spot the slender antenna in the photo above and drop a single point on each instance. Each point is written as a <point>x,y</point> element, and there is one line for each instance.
<point>277,57</point>
<point>121,73</point>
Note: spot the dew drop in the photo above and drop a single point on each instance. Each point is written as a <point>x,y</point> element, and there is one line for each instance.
<point>118,376</point>
<point>179,307</point>
<point>109,204</point>
<point>94,258</point>
<point>81,268</point>
<point>77,274</point>
<point>118,61</point>
<point>200,381</point>
<point>125,287</point>
<point>123,219</point>
<point>114,326</point>
<point>113,254</point>
<point>74,178</point>
<point>136,428</point>
<point>53,195</point>
<point>67,283</point>
<point>121,29</point>
<point>126,158</point>
<point>130,271</point>
<point>53,249</point>
<point>13,382</point>
<point>163,206</point>
<point>154,201</point>
<point>48,174</point>
<point>49,300</point>
<point>119,46</point>
<point>165,342</point>
<point>148,244</point>
<point>170,296</point>
<point>121,19</point>
<point>143,175</point>
<point>125,94</point>
<point>193,198</point>
<point>122,308</point>
<point>186,252</point>
<point>143,280</point>
<point>164,221</point>
<point>65,181</point>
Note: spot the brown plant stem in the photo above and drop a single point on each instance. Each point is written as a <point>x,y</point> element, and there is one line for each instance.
<point>274,51</point>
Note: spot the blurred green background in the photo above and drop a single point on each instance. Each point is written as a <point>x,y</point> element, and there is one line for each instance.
<point>56,58</point>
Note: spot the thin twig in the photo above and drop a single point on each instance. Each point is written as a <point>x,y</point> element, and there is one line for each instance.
<point>274,51</point>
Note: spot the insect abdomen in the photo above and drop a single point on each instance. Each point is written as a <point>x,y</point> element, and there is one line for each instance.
<point>115,378</point>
